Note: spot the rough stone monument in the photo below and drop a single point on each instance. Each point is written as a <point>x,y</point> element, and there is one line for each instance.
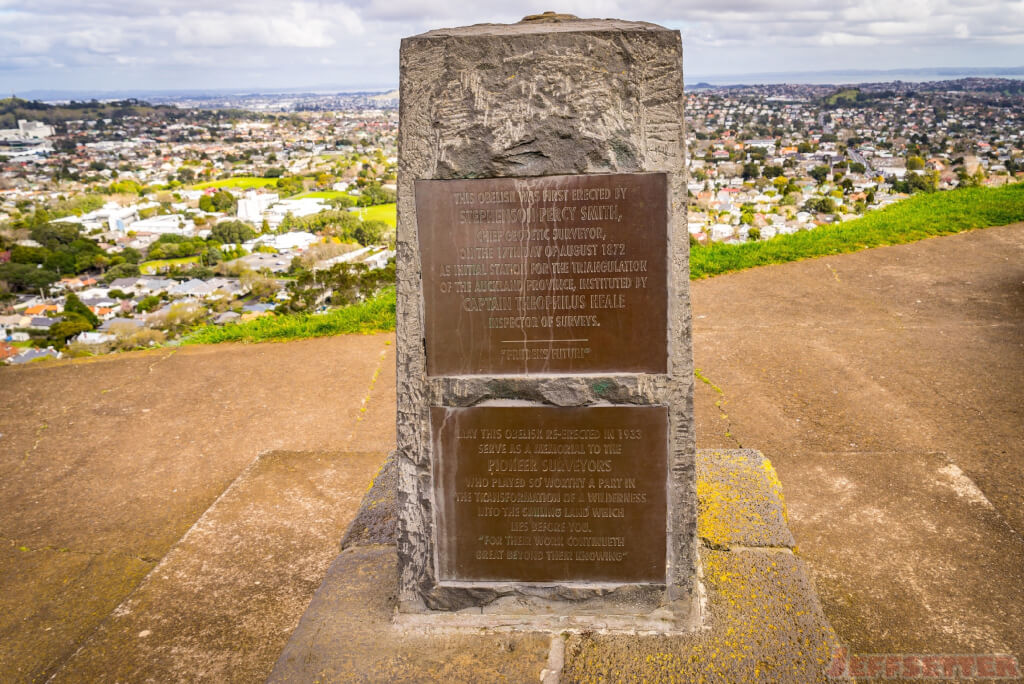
<point>545,373</point>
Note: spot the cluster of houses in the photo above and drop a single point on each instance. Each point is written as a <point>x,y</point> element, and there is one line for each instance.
<point>182,146</point>
<point>121,304</point>
<point>115,227</point>
<point>953,136</point>
<point>116,304</point>
<point>716,213</point>
<point>966,132</point>
<point>137,226</point>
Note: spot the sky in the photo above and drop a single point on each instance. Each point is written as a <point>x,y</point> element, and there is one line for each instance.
<point>353,44</point>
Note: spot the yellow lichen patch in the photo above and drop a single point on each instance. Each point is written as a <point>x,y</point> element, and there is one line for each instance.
<point>753,637</point>
<point>776,484</point>
<point>764,625</point>
<point>731,495</point>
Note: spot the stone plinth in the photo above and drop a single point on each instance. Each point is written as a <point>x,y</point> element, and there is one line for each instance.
<point>543,264</point>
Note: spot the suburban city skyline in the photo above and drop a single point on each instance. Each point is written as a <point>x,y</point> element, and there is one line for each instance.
<point>353,45</point>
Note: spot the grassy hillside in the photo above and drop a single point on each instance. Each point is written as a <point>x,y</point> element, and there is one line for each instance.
<point>919,217</point>
<point>244,182</point>
<point>846,95</point>
<point>377,314</point>
<point>380,212</point>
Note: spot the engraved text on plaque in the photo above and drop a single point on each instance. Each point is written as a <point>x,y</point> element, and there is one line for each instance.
<point>543,494</point>
<point>552,274</point>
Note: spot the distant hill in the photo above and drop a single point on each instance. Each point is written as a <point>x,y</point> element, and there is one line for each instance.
<point>849,76</point>
<point>386,98</point>
<point>13,108</point>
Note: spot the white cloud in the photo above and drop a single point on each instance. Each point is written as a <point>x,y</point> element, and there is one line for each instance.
<point>845,39</point>
<point>340,41</point>
<point>215,29</point>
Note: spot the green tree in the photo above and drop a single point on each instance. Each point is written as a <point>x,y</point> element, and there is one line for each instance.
<point>74,305</point>
<point>232,232</point>
<point>148,303</point>
<point>27,277</point>
<point>369,232</point>
<point>21,254</point>
<point>342,202</point>
<point>915,163</point>
<point>820,205</point>
<point>70,326</point>
<point>122,270</point>
<point>52,236</point>
<point>373,194</point>
<point>224,201</point>
<point>289,185</point>
<point>260,286</point>
<point>923,182</point>
<point>819,173</point>
<point>286,223</point>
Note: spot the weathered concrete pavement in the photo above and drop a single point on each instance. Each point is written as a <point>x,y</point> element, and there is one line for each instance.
<point>106,465</point>
<point>887,388</point>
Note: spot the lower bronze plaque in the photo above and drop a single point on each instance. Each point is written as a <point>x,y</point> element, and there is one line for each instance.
<point>554,274</point>
<point>539,494</point>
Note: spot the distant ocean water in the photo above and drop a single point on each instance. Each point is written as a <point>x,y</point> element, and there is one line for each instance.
<point>841,76</point>
<point>856,76</point>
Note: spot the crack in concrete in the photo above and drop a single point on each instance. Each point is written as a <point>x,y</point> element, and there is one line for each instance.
<point>364,406</point>
<point>24,548</point>
<point>35,445</point>
<point>552,672</point>
<point>162,359</point>
<point>720,404</point>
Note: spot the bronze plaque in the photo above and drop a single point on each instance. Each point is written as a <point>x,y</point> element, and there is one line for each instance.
<point>553,274</point>
<point>544,494</point>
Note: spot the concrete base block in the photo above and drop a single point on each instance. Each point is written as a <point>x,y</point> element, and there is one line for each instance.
<point>760,619</point>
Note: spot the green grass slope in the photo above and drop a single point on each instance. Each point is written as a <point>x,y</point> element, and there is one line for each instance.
<point>916,218</point>
<point>376,314</point>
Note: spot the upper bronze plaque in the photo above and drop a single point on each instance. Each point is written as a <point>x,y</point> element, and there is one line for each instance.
<point>554,274</point>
